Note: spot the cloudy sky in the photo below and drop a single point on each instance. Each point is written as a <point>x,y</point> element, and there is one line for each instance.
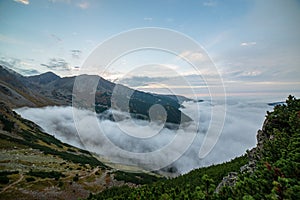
<point>254,44</point>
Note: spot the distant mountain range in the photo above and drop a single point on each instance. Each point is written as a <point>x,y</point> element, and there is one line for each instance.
<point>49,89</point>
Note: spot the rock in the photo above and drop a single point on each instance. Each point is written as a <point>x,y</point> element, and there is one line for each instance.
<point>228,180</point>
<point>254,155</point>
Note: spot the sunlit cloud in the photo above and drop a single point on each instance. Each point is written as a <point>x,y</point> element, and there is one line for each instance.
<point>247,44</point>
<point>193,56</point>
<point>25,2</point>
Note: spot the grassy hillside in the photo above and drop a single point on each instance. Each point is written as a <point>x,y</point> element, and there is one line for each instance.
<point>35,165</point>
<point>271,170</point>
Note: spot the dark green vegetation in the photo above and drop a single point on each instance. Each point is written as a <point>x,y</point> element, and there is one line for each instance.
<point>3,176</point>
<point>35,138</point>
<point>33,162</point>
<point>137,178</point>
<point>189,186</point>
<point>43,174</point>
<point>275,174</point>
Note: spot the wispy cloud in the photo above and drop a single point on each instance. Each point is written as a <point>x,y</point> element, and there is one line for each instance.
<point>57,64</point>
<point>138,81</point>
<point>169,20</point>
<point>23,67</point>
<point>9,39</point>
<point>76,53</point>
<point>193,56</point>
<point>83,5</point>
<point>210,3</point>
<point>246,74</point>
<point>55,37</point>
<point>60,1</point>
<point>148,19</point>
<point>188,81</point>
<point>25,2</point>
<point>247,44</point>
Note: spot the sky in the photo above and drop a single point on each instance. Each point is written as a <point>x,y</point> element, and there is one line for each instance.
<point>253,44</point>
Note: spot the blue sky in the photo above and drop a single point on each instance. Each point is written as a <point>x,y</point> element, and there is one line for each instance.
<point>255,45</point>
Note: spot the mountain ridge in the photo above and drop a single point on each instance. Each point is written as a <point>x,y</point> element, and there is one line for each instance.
<point>49,89</point>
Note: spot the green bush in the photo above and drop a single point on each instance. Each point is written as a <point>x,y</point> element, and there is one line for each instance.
<point>137,178</point>
<point>30,179</point>
<point>45,174</point>
<point>76,178</point>
<point>4,179</point>
<point>6,173</point>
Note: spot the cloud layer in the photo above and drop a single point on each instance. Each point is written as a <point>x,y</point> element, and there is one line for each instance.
<point>239,134</point>
<point>57,64</point>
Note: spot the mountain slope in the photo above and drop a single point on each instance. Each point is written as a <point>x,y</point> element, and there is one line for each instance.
<point>17,91</point>
<point>35,165</point>
<point>50,89</point>
<point>43,78</point>
<point>273,171</point>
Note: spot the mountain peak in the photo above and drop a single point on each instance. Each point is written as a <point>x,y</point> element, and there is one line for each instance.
<point>44,78</point>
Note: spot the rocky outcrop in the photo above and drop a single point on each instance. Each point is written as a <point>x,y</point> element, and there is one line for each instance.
<point>254,155</point>
<point>228,180</point>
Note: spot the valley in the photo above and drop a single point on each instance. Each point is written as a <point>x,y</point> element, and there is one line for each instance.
<point>36,165</point>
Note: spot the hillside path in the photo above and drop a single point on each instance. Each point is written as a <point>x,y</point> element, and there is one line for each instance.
<point>12,184</point>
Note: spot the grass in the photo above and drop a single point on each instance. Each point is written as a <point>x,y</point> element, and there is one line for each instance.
<point>44,163</point>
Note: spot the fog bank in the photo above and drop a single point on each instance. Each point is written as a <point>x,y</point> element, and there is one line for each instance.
<point>243,119</point>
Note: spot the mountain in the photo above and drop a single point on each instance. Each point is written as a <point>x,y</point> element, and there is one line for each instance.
<point>49,89</point>
<point>17,91</point>
<point>44,78</point>
<point>35,165</point>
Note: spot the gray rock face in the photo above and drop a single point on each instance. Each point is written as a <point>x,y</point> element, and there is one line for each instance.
<point>254,155</point>
<point>228,180</point>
